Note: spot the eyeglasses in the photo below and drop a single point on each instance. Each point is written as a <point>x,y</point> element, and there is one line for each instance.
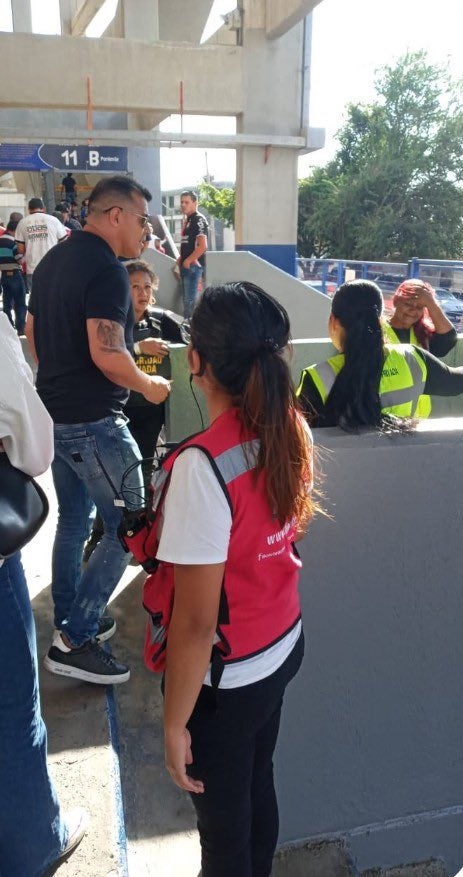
<point>144,220</point>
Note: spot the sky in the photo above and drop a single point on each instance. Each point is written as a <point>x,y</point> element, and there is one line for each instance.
<point>351,39</point>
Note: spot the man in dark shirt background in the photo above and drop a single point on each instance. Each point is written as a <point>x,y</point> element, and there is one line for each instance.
<point>68,185</point>
<point>69,221</point>
<point>79,327</point>
<point>193,247</point>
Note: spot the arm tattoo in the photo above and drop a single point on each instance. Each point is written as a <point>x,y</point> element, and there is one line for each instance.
<point>110,336</point>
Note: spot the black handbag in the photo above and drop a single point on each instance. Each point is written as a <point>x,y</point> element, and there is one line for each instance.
<point>23,508</point>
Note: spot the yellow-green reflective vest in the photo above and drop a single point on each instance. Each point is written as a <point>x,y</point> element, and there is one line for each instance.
<point>401,385</point>
<point>424,402</point>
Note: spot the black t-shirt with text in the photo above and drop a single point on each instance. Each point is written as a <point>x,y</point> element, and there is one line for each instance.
<point>77,280</point>
<point>193,225</point>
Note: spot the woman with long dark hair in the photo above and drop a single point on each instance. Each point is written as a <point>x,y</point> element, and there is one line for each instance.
<point>238,497</point>
<point>370,383</point>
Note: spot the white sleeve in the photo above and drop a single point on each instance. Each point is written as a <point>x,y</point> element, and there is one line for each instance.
<point>26,428</point>
<point>196,523</point>
<point>61,230</point>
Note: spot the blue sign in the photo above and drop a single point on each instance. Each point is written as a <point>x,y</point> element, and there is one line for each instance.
<point>43,157</point>
<point>21,157</point>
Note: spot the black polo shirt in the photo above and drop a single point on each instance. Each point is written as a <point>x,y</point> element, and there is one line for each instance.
<point>193,225</point>
<point>77,280</point>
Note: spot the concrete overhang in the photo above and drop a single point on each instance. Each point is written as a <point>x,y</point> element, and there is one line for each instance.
<point>282,15</point>
<point>126,75</point>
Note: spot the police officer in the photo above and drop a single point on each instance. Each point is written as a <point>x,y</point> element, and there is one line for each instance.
<point>369,383</point>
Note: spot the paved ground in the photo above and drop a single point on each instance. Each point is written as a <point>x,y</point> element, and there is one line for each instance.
<point>151,831</point>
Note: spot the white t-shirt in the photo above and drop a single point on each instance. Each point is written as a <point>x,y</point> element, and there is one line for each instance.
<point>39,232</point>
<point>195,529</point>
<point>26,428</point>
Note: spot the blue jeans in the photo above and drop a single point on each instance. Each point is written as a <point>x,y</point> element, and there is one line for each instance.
<point>32,832</point>
<point>14,298</point>
<point>81,450</point>
<point>190,279</point>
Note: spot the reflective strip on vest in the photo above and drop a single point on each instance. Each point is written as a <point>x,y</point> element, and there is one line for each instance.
<point>238,460</point>
<point>401,397</point>
<point>424,406</point>
<point>327,375</point>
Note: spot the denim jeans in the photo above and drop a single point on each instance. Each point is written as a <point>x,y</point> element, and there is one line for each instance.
<point>81,452</point>
<point>190,279</point>
<point>14,298</point>
<point>234,732</point>
<point>32,832</point>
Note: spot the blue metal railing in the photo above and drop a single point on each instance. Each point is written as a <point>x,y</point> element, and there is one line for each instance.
<point>327,274</point>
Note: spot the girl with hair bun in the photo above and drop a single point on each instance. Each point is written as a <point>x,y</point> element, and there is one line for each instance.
<point>370,383</point>
<point>238,497</point>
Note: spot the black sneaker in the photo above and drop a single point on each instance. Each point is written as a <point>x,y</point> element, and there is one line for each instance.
<point>106,628</point>
<point>89,662</point>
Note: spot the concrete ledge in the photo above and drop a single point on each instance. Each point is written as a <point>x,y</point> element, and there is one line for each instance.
<point>317,860</point>
<point>433,868</point>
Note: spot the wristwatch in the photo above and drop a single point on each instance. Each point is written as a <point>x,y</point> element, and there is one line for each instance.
<point>137,349</point>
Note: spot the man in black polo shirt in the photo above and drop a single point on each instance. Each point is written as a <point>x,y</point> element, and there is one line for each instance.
<point>193,247</point>
<point>80,326</point>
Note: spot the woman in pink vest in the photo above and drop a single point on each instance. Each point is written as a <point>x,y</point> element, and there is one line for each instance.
<point>238,497</point>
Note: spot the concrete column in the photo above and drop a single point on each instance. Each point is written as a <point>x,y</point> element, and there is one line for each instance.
<point>141,22</point>
<point>67,9</point>
<point>266,185</point>
<point>144,164</point>
<point>22,16</point>
<point>49,190</point>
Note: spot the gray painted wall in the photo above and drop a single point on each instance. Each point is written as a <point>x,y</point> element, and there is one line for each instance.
<point>308,309</point>
<point>372,730</point>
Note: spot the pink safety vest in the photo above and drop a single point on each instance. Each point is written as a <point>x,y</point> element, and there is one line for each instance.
<point>259,602</point>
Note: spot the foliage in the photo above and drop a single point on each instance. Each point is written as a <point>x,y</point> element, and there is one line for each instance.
<point>394,188</point>
<point>218,202</point>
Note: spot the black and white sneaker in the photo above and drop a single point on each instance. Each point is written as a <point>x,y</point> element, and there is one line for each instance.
<point>88,662</point>
<point>106,628</point>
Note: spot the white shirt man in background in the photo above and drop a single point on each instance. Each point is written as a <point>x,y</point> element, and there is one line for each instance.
<point>36,234</point>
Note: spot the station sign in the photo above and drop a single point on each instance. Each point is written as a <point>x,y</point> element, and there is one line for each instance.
<point>45,157</point>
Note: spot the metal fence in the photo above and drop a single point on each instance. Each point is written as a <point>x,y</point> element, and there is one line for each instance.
<point>327,274</point>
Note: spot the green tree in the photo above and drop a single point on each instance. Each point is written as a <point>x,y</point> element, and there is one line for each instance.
<point>219,203</point>
<point>394,188</point>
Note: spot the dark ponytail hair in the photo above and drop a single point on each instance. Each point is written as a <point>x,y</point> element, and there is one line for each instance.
<point>354,398</point>
<point>241,333</point>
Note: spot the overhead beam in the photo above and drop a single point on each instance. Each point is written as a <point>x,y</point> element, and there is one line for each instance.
<point>126,75</point>
<point>312,139</point>
<point>84,16</point>
<point>282,15</point>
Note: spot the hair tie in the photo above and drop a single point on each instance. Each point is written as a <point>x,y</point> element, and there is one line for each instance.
<point>269,344</point>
